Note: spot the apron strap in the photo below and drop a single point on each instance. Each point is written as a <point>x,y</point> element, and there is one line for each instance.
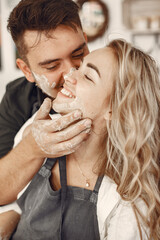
<point>63,179</point>
<point>62,168</point>
<point>50,163</point>
<point>98,184</point>
<point>94,195</point>
<point>45,170</point>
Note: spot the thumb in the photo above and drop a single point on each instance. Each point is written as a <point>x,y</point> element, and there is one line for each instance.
<point>43,112</point>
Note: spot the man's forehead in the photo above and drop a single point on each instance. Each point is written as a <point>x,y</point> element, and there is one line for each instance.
<point>32,38</point>
<point>48,49</point>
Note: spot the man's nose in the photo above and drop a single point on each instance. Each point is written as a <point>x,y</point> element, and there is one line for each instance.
<point>70,77</point>
<point>68,65</point>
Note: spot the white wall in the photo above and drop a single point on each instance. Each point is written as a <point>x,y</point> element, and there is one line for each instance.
<point>9,71</point>
<point>116,29</point>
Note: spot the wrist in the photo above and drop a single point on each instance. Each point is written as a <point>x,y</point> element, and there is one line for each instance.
<point>29,148</point>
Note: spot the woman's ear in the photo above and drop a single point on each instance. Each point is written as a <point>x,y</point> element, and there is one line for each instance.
<point>108,115</point>
<point>25,69</point>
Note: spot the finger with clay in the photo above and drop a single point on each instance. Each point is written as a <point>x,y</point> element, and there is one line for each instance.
<point>43,113</point>
<point>59,136</point>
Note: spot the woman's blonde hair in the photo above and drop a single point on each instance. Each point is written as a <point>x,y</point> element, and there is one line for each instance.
<point>133,147</point>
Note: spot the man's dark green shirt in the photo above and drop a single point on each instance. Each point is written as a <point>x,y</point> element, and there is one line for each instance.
<point>21,100</point>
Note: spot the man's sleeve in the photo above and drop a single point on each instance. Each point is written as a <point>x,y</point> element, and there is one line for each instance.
<point>15,109</point>
<point>9,125</point>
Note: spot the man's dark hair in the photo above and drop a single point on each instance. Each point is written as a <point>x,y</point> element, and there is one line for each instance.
<point>42,16</point>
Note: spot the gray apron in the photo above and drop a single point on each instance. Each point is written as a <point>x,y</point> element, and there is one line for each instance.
<point>66,214</point>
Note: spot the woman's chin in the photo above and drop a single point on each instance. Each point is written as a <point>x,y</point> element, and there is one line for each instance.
<point>58,107</point>
<point>67,105</point>
<point>63,107</point>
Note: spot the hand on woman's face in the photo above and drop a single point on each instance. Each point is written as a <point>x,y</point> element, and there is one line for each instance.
<point>88,88</point>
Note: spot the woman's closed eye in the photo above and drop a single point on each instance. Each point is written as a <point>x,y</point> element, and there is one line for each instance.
<point>88,78</point>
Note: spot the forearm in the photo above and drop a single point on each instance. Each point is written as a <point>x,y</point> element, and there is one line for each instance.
<point>45,137</point>
<point>17,168</point>
<point>8,223</point>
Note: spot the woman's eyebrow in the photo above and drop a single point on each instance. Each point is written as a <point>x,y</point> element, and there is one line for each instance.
<point>90,65</point>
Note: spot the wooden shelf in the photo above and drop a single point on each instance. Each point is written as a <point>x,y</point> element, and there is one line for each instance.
<point>142,10</point>
<point>145,32</point>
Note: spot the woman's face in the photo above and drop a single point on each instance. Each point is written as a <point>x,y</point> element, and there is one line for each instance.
<point>88,88</point>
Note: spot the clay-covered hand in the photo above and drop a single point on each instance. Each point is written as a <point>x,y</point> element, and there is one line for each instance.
<point>59,136</point>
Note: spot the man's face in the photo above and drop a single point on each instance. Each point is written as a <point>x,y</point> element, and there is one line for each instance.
<point>50,58</point>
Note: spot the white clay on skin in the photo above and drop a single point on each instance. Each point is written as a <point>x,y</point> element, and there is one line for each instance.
<point>70,73</point>
<point>43,83</point>
<point>46,146</point>
<point>67,107</point>
<point>71,105</point>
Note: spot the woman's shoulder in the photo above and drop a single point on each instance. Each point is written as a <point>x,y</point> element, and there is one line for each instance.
<point>108,196</point>
<point>108,199</point>
<point>108,193</point>
<point>116,217</point>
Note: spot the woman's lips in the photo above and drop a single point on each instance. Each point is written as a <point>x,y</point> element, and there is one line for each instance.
<point>67,93</point>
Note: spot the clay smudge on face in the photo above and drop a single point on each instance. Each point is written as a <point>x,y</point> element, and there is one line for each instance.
<point>43,83</point>
<point>53,85</point>
<point>70,73</point>
<point>66,107</point>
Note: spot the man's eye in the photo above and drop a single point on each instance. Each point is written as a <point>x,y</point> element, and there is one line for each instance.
<point>80,55</point>
<point>52,67</point>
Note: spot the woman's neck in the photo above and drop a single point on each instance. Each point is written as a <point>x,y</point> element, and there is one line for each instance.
<point>90,150</point>
<point>81,165</point>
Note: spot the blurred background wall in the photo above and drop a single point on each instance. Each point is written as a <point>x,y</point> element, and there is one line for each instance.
<point>137,21</point>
